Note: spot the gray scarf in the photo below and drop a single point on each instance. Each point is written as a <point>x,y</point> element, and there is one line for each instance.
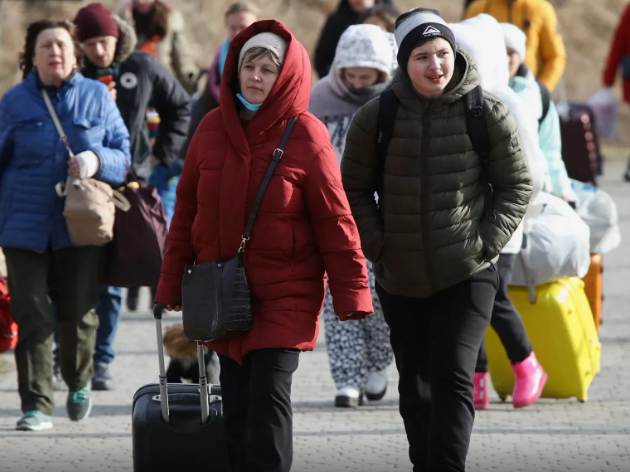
<point>361,96</point>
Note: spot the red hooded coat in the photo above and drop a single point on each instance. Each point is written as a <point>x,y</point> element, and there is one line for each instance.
<point>619,52</point>
<point>304,227</point>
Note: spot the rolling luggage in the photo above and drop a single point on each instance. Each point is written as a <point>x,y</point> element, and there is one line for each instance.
<point>178,426</point>
<point>561,328</point>
<point>593,288</point>
<point>580,144</point>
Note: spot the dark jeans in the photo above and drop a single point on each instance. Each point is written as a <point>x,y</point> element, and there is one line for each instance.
<point>435,342</point>
<point>70,277</point>
<point>257,410</point>
<point>505,320</point>
<point>108,310</point>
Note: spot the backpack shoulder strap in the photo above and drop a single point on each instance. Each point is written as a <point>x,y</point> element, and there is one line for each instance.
<point>476,124</point>
<point>546,101</point>
<point>477,127</point>
<point>387,109</point>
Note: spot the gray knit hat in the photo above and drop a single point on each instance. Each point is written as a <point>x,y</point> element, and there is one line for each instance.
<point>418,26</point>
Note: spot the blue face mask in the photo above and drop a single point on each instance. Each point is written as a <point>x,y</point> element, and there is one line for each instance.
<point>250,106</point>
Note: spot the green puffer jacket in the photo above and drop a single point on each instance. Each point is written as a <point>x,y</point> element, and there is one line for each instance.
<point>429,232</point>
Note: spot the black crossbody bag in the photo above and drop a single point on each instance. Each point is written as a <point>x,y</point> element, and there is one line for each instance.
<point>216,300</point>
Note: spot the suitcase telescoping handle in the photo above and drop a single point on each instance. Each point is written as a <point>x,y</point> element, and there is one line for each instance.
<point>158,308</point>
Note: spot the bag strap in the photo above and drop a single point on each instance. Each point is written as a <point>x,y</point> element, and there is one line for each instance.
<point>387,109</point>
<point>55,118</point>
<point>546,101</point>
<point>277,155</point>
<point>477,128</point>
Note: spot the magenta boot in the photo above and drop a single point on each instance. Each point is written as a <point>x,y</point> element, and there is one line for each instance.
<point>480,395</point>
<point>530,379</point>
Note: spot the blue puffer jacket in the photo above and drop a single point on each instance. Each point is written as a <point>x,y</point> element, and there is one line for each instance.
<point>33,158</point>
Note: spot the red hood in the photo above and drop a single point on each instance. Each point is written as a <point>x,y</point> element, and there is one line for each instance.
<point>290,95</point>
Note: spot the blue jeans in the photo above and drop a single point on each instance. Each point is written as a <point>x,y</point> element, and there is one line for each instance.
<point>108,310</point>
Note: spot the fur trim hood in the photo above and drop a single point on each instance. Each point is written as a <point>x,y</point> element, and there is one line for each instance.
<point>127,39</point>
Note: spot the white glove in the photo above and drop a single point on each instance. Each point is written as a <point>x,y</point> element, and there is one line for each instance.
<point>89,163</point>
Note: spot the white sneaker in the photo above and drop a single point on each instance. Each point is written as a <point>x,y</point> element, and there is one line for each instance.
<point>348,397</point>
<point>376,385</point>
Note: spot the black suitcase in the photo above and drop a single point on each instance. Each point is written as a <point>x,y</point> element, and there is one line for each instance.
<point>580,144</point>
<point>178,426</point>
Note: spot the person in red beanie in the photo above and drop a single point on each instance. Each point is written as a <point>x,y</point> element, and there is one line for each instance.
<point>304,229</point>
<point>136,79</point>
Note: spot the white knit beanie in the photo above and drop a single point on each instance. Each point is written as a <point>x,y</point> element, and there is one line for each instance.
<point>515,39</point>
<point>364,46</point>
<point>266,40</point>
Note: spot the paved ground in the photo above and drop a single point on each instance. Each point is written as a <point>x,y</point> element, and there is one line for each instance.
<point>552,436</point>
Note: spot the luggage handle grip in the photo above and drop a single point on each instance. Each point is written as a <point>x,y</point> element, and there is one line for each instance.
<point>158,309</point>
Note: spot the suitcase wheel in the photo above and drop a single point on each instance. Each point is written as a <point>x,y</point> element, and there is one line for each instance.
<point>503,398</point>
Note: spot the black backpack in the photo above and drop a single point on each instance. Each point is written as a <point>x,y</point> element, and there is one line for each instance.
<point>546,101</point>
<point>523,71</point>
<point>476,125</point>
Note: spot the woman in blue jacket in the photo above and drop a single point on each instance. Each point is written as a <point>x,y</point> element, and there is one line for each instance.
<point>42,261</point>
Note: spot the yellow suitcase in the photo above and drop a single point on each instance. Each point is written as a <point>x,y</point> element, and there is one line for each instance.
<point>561,328</point>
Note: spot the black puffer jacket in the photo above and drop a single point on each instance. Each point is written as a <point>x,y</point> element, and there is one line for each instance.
<point>336,24</point>
<point>143,82</point>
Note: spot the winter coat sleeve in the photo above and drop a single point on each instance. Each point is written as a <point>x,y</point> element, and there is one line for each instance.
<point>172,103</point>
<point>509,175</point>
<point>552,51</point>
<point>618,48</point>
<point>6,135</point>
<point>337,236</point>
<point>181,252</point>
<point>551,146</point>
<point>358,168</point>
<point>181,58</point>
<point>325,50</point>
<point>114,153</point>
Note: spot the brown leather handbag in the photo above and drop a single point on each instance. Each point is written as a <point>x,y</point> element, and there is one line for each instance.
<point>91,205</point>
<point>216,300</point>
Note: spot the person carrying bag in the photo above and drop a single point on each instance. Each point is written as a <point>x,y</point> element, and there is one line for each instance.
<point>269,295</point>
<point>90,204</point>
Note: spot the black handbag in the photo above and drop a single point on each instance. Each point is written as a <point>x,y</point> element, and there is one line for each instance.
<point>216,300</point>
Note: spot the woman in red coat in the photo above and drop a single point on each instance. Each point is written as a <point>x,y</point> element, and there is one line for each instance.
<point>619,56</point>
<point>304,229</point>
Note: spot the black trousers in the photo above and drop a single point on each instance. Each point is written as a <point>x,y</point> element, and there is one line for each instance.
<point>505,320</point>
<point>435,342</point>
<point>69,276</point>
<point>257,410</point>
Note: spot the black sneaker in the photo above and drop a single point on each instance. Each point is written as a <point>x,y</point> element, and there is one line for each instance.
<point>102,379</point>
<point>133,296</point>
<point>79,404</point>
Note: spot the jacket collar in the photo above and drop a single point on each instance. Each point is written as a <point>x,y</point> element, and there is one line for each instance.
<point>33,84</point>
<point>465,79</point>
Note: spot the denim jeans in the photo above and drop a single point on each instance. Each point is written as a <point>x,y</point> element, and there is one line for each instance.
<point>108,310</point>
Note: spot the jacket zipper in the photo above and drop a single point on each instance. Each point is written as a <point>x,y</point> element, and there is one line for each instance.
<point>424,213</point>
<point>218,287</point>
